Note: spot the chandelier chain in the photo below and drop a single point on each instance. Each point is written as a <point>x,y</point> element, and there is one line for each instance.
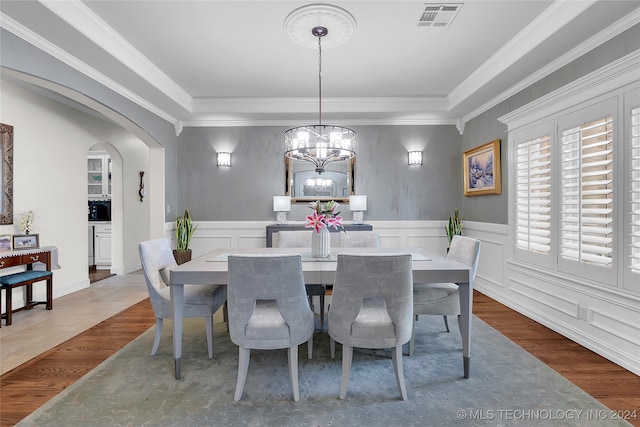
<point>319,79</point>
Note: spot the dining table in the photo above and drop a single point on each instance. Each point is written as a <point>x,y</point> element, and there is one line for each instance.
<point>427,267</point>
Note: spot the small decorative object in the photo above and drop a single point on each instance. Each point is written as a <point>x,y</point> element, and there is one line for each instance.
<point>141,191</point>
<point>26,221</point>
<point>5,242</point>
<point>454,226</point>
<point>184,232</point>
<point>481,167</point>
<point>26,241</point>
<point>324,216</point>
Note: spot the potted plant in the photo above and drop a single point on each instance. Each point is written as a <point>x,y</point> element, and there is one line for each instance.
<point>184,232</point>
<point>453,227</point>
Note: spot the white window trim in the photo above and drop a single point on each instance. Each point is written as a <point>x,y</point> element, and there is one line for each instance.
<point>615,80</point>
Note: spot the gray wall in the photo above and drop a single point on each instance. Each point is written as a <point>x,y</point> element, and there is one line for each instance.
<point>394,190</point>
<point>486,127</point>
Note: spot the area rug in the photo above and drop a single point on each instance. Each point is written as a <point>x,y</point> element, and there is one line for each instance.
<point>507,386</point>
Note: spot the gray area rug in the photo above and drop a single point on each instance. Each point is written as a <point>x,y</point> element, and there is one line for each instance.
<point>507,386</point>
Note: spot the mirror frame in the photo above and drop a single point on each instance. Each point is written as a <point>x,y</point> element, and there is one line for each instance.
<point>6,217</point>
<point>351,178</point>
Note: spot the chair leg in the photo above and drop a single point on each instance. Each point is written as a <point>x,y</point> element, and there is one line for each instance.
<point>208,324</point>
<point>243,367</point>
<point>156,342</point>
<point>310,347</point>
<point>413,337</point>
<point>225,314</point>
<point>332,347</point>
<point>347,357</point>
<point>322,312</point>
<point>292,354</point>
<point>396,357</point>
<point>446,323</point>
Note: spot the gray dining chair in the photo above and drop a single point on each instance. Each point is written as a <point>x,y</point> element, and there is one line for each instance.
<point>268,309</point>
<point>443,299</point>
<point>372,307</point>
<point>302,239</point>
<point>360,239</point>
<point>203,301</point>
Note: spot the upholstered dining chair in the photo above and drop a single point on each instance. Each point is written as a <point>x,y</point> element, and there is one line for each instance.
<point>203,301</point>
<point>372,307</point>
<point>443,299</point>
<point>302,239</point>
<point>268,309</point>
<point>360,239</point>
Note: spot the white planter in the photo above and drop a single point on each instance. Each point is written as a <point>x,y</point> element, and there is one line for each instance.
<point>321,243</point>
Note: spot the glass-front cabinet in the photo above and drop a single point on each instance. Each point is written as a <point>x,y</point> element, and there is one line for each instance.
<point>99,176</point>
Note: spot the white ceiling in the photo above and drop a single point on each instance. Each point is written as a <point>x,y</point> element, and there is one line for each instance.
<point>221,63</point>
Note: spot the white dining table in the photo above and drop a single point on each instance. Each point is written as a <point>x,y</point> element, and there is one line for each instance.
<point>428,267</point>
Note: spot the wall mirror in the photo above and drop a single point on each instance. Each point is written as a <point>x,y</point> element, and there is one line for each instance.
<point>304,184</point>
<point>6,197</point>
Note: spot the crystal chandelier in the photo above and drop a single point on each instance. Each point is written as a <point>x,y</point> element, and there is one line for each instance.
<point>320,144</point>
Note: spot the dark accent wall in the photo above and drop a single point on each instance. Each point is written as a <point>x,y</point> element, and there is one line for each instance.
<point>244,192</point>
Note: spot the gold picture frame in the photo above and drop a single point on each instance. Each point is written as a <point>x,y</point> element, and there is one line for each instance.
<point>481,168</point>
<point>26,241</point>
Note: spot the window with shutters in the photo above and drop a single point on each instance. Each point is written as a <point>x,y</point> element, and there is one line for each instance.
<point>634,192</point>
<point>574,181</point>
<point>533,195</point>
<point>586,193</point>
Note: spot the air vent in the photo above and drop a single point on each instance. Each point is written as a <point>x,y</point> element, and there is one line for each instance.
<point>439,14</point>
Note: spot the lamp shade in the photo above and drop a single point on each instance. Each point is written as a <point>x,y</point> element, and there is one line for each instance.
<point>358,203</point>
<point>281,203</point>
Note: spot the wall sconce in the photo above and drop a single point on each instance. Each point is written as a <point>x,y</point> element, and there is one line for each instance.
<point>282,205</point>
<point>357,205</point>
<point>415,158</point>
<point>224,159</point>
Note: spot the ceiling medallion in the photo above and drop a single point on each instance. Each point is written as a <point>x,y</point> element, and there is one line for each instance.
<point>339,22</point>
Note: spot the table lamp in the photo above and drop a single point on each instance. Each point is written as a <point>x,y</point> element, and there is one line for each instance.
<point>282,205</point>
<point>357,205</point>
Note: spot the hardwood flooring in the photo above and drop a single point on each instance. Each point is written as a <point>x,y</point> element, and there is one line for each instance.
<point>27,387</point>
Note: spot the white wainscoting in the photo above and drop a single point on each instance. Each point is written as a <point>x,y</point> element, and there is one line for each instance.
<point>600,319</point>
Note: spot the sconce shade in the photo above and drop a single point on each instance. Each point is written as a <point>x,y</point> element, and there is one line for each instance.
<point>281,203</point>
<point>224,159</point>
<point>358,203</point>
<point>415,158</point>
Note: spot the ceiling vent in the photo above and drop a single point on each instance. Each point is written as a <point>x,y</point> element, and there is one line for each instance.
<point>439,14</point>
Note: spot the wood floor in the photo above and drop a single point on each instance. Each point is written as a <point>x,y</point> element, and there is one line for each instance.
<point>30,385</point>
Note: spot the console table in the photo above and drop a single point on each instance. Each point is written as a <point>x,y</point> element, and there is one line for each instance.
<point>48,256</point>
<point>274,228</point>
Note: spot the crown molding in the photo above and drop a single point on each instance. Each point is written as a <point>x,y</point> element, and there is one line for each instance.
<point>554,17</point>
<point>591,43</point>
<point>83,19</point>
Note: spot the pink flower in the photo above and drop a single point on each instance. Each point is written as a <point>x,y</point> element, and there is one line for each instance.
<point>324,215</point>
<point>316,221</point>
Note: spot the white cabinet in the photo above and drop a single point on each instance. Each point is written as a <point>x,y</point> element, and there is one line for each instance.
<point>102,245</point>
<point>98,176</point>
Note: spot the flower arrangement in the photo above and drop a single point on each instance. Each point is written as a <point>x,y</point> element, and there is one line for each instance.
<point>26,221</point>
<point>324,215</point>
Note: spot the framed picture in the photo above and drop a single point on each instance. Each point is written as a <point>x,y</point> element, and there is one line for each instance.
<point>26,241</point>
<point>481,166</point>
<point>5,242</point>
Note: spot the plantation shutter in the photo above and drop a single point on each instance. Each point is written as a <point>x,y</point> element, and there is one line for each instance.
<point>634,264</point>
<point>586,199</point>
<point>533,195</point>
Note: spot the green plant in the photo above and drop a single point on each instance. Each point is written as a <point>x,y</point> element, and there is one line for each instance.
<point>184,231</point>
<point>454,226</point>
